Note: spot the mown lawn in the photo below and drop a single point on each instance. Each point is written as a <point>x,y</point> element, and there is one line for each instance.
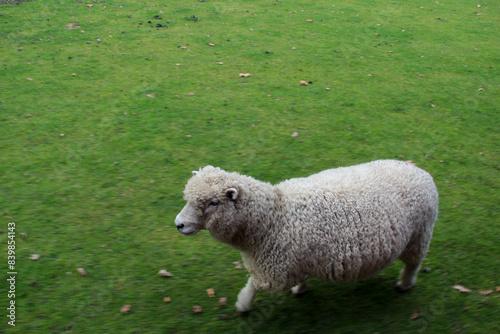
<point>107,106</point>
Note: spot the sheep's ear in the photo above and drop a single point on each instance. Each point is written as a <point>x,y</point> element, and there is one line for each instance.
<point>232,193</point>
<point>195,172</point>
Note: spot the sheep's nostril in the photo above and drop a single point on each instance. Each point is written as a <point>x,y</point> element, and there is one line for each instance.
<point>180,226</point>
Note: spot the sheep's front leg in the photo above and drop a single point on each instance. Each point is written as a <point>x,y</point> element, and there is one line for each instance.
<point>245,297</point>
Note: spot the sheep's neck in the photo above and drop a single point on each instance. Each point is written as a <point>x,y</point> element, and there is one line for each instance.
<point>261,223</point>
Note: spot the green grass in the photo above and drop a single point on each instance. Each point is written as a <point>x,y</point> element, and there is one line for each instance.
<point>92,169</point>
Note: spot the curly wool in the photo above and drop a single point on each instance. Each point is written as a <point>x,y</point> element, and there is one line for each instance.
<point>340,225</point>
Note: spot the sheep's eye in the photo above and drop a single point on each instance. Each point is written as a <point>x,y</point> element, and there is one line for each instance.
<point>214,202</point>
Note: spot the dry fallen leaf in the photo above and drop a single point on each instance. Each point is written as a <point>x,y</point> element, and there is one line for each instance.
<point>150,95</point>
<point>481,89</point>
<point>167,299</point>
<point>125,308</point>
<point>304,83</point>
<point>81,271</point>
<point>197,309</point>
<point>211,44</point>
<point>415,314</point>
<point>295,134</point>
<point>223,316</point>
<point>498,288</point>
<point>237,265</point>
<point>72,26</point>
<point>35,257</point>
<point>223,302</point>
<point>211,293</point>
<point>461,288</point>
<point>244,75</point>
<point>485,292</point>
<point>309,20</point>
<point>90,5</point>
<point>164,273</point>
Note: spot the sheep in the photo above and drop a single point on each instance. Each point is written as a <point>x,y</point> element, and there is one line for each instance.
<point>339,225</point>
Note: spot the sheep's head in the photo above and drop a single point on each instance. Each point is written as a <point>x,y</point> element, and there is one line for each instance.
<point>212,195</point>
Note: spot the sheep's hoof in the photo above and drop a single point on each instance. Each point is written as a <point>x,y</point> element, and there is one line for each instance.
<point>299,289</point>
<point>242,308</point>
<point>400,287</point>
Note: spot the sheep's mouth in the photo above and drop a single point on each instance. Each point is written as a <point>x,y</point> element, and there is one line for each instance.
<point>188,232</point>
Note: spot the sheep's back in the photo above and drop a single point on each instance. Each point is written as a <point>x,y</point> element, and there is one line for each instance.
<point>349,223</point>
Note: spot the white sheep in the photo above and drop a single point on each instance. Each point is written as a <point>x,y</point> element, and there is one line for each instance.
<point>340,225</point>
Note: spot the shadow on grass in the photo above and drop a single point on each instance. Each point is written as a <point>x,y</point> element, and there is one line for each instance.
<point>367,306</point>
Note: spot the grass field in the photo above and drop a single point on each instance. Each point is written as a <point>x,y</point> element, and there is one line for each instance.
<point>107,106</point>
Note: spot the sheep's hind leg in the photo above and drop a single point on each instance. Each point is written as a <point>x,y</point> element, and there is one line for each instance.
<point>408,277</point>
<point>246,296</point>
<point>412,257</point>
<point>300,289</point>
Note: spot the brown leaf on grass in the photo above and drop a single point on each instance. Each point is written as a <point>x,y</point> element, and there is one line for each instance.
<point>150,95</point>
<point>237,265</point>
<point>164,273</point>
<point>481,89</point>
<point>211,293</point>
<point>304,83</point>
<point>498,288</point>
<point>167,299</point>
<point>416,314</point>
<point>461,288</point>
<point>81,271</point>
<point>125,308</point>
<point>35,257</point>
<point>90,5</point>
<point>485,292</point>
<point>295,134</point>
<point>223,302</point>
<point>309,20</point>
<point>197,309</point>
<point>244,75</point>
<point>72,26</point>
<point>211,44</point>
